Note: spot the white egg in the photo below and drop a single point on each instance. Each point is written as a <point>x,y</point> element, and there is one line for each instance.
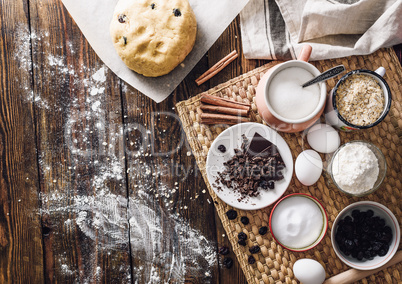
<point>323,138</point>
<point>308,167</point>
<point>309,271</point>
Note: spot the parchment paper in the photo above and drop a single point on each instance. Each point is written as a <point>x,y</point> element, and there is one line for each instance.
<point>93,18</point>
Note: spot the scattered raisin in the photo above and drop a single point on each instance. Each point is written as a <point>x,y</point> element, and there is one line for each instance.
<point>153,6</point>
<point>176,12</point>
<point>223,250</point>
<point>222,148</point>
<point>232,214</point>
<point>125,40</point>
<point>254,249</point>
<point>251,259</point>
<point>122,18</point>
<point>242,242</point>
<point>244,220</point>
<point>242,236</point>
<point>227,262</point>
<point>263,230</point>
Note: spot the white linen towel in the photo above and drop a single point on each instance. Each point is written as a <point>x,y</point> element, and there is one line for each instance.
<point>277,29</point>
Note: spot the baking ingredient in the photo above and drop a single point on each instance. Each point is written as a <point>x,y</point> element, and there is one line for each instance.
<point>287,97</point>
<point>251,259</point>
<point>256,165</point>
<point>263,230</point>
<point>222,148</point>
<point>360,99</point>
<point>242,242</point>
<point>227,262</point>
<point>309,271</point>
<point>153,40</point>
<point>297,222</point>
<point>244,220</point>
<point>242,236</point>
<point>363,235</point>
<point>308,167</point>
<point>223,250</point>
<point>254,249</point>
<point>232,214</point>
<point>323,138</point>
<point>355,168</point>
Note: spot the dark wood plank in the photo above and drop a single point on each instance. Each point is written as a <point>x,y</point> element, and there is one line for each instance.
<point>81,154</point>
<point>163,175</point>
<point>21,250</point>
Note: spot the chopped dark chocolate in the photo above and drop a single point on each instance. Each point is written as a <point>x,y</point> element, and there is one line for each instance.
<point>257,145</point>
<point>256,165</point>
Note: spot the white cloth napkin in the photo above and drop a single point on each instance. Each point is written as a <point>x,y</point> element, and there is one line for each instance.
<point>93,18</point>
<point>277,29</point>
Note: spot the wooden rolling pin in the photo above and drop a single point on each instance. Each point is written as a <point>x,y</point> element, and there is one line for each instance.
<point>353,275</point>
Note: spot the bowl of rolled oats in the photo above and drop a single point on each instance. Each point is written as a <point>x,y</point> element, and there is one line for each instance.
<point>360,100</point>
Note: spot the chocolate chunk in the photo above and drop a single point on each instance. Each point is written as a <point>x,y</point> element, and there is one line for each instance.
<point>254,249</point>
<point>125,40</point>
<point>153,6</point>
<point>227,262</point>
<point>251,259</point>
<point>244,220</point>
<point>223,250</point>
<point>257,145</point>
<point>263,230</point>
<point>232,214</point>
<point>176,12</point>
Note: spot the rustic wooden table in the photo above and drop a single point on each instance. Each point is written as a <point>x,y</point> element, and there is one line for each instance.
<point>98,183</point>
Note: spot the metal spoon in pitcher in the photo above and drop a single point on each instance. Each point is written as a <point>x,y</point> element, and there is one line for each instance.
<point>325,75</point>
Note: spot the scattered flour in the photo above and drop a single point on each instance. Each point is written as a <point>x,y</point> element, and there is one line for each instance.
<point>109,220</point>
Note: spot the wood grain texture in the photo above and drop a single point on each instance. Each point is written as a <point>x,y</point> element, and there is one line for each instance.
<point>21,251</point>
<point>81,154</point>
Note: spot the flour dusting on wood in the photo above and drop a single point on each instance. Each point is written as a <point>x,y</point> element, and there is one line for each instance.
<point>164,246</point>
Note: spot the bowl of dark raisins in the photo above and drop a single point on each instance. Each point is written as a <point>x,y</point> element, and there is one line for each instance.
<point>365,235</point>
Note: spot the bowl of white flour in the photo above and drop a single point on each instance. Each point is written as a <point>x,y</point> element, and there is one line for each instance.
<point>358,168</point>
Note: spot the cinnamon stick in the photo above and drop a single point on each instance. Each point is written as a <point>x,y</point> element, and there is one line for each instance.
<point>214,100</point>
<point>217,67</point>
<point>213,121</point>
<point>216,117</point>
<point>226,110</point>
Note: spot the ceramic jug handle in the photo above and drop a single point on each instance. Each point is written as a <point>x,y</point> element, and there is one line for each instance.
<point>305,53</point>
<point>380,71</point>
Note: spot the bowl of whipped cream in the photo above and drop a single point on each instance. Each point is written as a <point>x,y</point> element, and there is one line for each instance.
<point>358,168</point>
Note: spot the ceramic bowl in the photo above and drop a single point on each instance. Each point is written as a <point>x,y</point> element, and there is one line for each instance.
<point>274,230</point>
<point>390,220</point>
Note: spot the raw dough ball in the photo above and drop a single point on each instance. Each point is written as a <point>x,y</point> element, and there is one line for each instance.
<point>152,37</point>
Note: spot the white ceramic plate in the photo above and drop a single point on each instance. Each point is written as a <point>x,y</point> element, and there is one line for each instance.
<point>231,138</point>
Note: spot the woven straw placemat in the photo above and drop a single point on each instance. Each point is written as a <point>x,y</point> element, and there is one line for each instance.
<point>274,264</point>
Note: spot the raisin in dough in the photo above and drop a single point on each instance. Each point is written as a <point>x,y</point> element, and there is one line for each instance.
<point>152,37</point>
